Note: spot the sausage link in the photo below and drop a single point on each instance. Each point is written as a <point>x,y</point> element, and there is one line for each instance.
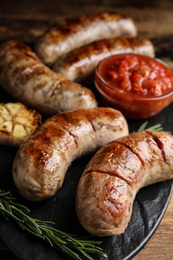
<point>41,162</point>
<point>76,32</point>
<point>110,181</point>
<point>28,80</point>
<point>79,64</point>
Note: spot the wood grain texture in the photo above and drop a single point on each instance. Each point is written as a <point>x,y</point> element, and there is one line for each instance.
<point>27,20</point>
<point>160,246</point>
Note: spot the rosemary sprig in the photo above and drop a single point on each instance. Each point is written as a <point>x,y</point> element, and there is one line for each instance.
<point>157,127</point>
<point>67,243</point>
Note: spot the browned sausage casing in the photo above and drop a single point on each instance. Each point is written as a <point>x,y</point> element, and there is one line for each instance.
<point>42,161</point>
<point>28,80</point>
<point>114,175</point>
<point>78,31</point>
<point>79,64</point>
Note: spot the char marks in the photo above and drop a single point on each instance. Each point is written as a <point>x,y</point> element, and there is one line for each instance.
<point>143,145</point>
<point>115,159</point>
<point>159,143</point>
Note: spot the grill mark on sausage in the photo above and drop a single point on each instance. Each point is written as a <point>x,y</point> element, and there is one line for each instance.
<point>29,72</point>
<point>77,123</point>
<point>31,56</point>
<point>87,51</point>
<point>99,123</point>
<point>146,149</point>
<point>116,207</point>
<point>159,144</point>
<point>111,174</point>
<point>70,133</point>
<point>55,86</point>
<point>74,137</point>
<point>130,182</point>
<point>16,67</point>
<point>127,146</point>
<point>92,125</point>
<point>43,153</point>
<point>99,47</point>
<point>72,25</point>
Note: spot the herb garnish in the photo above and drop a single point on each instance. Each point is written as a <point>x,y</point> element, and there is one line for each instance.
<point>157,127</point>
<point>60,240</point>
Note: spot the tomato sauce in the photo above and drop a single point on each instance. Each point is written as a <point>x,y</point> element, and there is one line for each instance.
<point>137,75</point>
<point>138,86</point>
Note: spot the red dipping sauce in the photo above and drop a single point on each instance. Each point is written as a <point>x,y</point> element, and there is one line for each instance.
<point>137,85</point>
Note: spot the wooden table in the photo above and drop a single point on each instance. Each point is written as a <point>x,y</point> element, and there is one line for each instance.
<point>27,20</point>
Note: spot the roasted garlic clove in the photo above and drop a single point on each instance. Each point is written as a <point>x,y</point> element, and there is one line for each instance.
<point>17,122</point>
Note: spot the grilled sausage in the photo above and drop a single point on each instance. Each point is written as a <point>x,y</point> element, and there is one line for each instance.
<point>28,80</point>
<point>110,181</point>
<point>41,162</point>
<point>79,64</point>
<point>76,32</point>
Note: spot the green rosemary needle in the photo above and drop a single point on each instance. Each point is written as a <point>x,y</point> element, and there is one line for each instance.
<point>69,244</point>
<point>157,127</point>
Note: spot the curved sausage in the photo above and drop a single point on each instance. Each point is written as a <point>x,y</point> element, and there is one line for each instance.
<point>41,162</point>
<point>28,80</point>
<point>109,183</point>
<point>76,32</point>
<point>79,64</point>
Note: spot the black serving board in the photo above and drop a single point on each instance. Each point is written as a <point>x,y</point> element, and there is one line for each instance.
<point>149,207</point>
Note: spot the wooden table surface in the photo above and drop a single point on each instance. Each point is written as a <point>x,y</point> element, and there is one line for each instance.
<point>27,20</point>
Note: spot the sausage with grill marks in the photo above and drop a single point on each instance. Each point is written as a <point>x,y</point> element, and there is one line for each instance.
<point>110,181</point>
<point>28,80</point>
<point>78,31</point>
<point>79,65</point>
<point>41,162</point>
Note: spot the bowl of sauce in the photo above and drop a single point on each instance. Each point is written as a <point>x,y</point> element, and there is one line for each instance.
<point>139,86</point>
